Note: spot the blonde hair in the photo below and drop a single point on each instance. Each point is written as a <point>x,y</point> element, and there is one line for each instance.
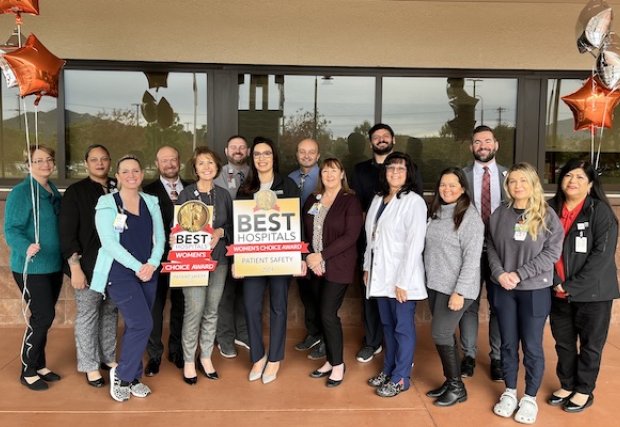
<point>536,209</point>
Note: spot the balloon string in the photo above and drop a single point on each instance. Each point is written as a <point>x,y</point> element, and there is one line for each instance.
<point>19,34</point>
<point>592,144</point>
<point>195,88</point>
<point>25,304</point>
<point>34,189</point>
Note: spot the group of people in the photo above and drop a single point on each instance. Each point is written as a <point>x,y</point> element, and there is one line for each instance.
<point>486,224</point>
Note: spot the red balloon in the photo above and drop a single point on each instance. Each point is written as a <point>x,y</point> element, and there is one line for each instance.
<point>593,105</point>
<point>36,69</point>
<point>19,6</point>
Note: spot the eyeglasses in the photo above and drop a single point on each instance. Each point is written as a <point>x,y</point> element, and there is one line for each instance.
<point>41,161</point>
<point>264,154</point>
<point>396,169</point>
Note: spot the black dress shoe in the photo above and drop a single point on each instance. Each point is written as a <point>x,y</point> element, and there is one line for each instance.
<point>190,381</point>
<point>319,374</point>
<point>177,359</point>
<point>554,400</point>
<point>98,383</point>
<point>573,407</point>
<point>336,383</point>
<point>152,368</point>
<point>467,367</point>
<point>50,377</point>
<point>38,385</point>
<point>497,374</point>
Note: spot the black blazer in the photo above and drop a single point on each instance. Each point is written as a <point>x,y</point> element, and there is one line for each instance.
<point>156,188</point>
<point>590,276</point>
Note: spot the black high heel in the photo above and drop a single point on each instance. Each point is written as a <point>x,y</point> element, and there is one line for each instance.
<point>190,381</point>
<point>210,375</point>
<point>98,383</point>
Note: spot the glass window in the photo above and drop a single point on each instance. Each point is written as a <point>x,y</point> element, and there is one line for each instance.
<point>562,142</point>
<point>289,108</point>
<point>133,112</point>
<point>433,118</point>
<point>13,129</point>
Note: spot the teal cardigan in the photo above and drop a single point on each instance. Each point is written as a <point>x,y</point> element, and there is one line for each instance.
<point>19,228</point>
<point>111,250</point>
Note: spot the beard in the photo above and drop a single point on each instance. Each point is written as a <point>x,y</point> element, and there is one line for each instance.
<point>481,158</point>
<point>385,150</point>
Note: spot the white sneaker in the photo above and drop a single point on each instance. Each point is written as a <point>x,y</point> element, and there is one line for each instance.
<point>139,389</point>
<point>119,392</point>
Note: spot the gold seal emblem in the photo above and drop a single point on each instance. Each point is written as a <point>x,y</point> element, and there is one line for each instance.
<point>265,200</point>
<point>193,216</point>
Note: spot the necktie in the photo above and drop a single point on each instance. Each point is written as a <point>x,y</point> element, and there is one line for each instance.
<point>241,177</point>
<point>302,180</point>
<point>174,195</point>
<point>485,196</point>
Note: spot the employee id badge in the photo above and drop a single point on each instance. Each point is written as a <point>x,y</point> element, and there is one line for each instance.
<point>314,210</point>
<point>520,232</point>
<point>581,244</point>
<point>232,183</point>
<point>120,222</point>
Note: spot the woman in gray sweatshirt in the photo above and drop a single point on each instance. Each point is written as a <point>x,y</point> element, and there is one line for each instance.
<point>524,241</point>
<point>454,238</point>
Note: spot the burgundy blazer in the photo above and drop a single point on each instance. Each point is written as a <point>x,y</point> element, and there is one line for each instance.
<point>341,229</point>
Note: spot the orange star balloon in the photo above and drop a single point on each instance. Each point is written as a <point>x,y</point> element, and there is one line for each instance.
<point>18,7</point>
<point>36,69</point>
<point>593,105</point>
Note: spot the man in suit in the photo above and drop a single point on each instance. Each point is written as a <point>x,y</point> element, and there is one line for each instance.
<point>486,185</point>
<point>231,327</point>
<point>306,178</point>
<point>167,188</point>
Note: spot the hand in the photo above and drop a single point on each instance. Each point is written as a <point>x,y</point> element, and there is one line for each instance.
<point>365,278</point>
<point>233,270</point>
<point>146,272</point>
<point>314,259</point>
<point>401,294</point>
<point>78,278</point>
<point>304,270</point>
<point>506,281</point>
<point>318,270</point>
<point>171,240</point>
<point>515,277</point>
<point>456,301</point>
<point>33,249</point>
<point>559,288</point>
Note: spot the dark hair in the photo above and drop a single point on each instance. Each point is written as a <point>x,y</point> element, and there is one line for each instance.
<point>481,128</point>
<point>128,157</point>
<point>596,192</point>
<point>31,149</point>
<point>236,137</point>
<point>333,163</point>
<point>203,150</point>
<point>462,203</point>
<point>380,126</point>
<point>92,147</point>
<point>410,185</point>
<point>252,183</point>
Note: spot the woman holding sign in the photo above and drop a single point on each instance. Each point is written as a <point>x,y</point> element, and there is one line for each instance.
<point>394,269</point>
<point>131,232</point>
<point>332,222</point>
<point>264,176</point>
<point>202,302</point>
<point>524,241</point>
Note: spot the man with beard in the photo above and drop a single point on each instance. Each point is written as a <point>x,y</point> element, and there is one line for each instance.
<point>231,326</point>
<point>366,184</point>
<point>486,185</point>
<point>167,188</point>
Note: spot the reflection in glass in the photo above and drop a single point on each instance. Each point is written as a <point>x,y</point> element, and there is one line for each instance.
<point>133,112</point>
<point>433,118</point>
<point>562,142</point>
<point>13,130</point>
<point>334,110</point>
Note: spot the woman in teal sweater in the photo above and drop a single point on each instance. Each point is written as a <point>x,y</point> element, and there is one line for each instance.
<point>36,261</point>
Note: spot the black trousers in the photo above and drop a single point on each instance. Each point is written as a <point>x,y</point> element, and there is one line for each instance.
<point>330,296</point>
<point>580,331</point>
<point>309,293</point>
<point>42,291</point>
<point>373,328</point>
<point>155,347</point>
<point>445,321</point>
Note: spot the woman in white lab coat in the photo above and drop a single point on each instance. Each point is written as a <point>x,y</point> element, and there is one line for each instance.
<point>394,268</point>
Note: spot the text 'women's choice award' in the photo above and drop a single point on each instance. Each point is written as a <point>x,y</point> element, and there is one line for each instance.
<point>267,237</point>
<point>190,253</point>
